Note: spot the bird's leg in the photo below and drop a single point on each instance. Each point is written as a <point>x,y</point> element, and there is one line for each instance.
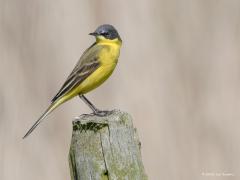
<point>95,110</point>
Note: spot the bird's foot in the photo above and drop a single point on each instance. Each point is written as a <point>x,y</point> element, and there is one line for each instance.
<point>98,112</point>
<point>101,113</point>
<point>77,118</point>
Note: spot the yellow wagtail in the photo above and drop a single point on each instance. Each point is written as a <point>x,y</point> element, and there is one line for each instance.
<point>93,68</point>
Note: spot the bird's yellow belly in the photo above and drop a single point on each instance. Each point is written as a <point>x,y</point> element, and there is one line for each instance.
<point>108,60</point>
<point>96,78</point>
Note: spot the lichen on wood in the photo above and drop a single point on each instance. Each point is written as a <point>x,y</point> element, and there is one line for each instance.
<point>104,148</point>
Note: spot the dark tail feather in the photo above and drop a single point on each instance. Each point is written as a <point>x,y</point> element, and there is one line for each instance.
<point>49,109</point>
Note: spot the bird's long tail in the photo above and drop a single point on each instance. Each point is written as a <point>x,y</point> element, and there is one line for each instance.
<point>48,111</point>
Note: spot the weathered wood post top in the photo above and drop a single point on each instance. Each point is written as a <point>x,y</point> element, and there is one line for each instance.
<point>105,148</point>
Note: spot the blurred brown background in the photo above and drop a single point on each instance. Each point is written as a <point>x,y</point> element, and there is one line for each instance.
<point>178,75</point>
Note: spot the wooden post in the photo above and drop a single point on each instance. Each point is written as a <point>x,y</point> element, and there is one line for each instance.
<point>104,148</point>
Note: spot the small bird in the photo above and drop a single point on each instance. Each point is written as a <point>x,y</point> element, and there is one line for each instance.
<point>93,68</point>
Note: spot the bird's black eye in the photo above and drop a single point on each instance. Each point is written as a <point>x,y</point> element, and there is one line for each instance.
<point>104,33</point>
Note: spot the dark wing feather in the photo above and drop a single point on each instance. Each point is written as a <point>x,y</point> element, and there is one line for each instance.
<point>86,65</point>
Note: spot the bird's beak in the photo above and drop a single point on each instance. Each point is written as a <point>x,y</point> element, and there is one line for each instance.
<point>93,34</point>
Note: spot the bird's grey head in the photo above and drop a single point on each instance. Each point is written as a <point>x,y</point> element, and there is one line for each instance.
<point>107,31</point>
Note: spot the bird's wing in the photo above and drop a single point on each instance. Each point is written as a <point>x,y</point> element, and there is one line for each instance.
<point>86,65</point>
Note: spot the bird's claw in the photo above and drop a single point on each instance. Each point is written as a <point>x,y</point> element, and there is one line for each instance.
<point>101,113</point>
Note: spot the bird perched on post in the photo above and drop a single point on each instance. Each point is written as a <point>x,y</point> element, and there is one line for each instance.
<point>93,68</point>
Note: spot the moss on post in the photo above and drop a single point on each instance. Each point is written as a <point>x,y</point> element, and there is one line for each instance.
<point>105,148</point>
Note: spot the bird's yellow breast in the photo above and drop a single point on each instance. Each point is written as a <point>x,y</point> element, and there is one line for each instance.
<point>108,58</point>
<point>110,53</point>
